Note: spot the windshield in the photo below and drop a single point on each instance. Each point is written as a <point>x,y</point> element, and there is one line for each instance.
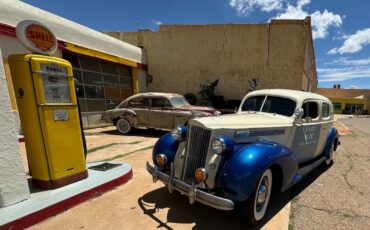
<point>270,104</point>
<point>179,101</point>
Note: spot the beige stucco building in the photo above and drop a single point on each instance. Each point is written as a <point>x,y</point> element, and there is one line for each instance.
<point>280,54</point>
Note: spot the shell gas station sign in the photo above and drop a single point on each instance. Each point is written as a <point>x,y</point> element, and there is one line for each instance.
<point>36,37</point>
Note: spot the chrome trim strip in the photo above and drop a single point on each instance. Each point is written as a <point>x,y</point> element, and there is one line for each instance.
<point>193,193</point>
<point>56,104</point>
<point>52,73</point>
<point>186,153</point>
<point>255,133</point>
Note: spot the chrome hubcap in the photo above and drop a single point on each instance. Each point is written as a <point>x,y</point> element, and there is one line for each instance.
<point>123,126</point>
<point>262,194</point>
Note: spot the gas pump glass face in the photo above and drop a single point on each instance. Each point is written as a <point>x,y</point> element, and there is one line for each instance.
<point>55,85</point>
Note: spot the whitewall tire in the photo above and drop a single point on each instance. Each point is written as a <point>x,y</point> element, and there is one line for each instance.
<point>262,195</point>
<point>254,209</point>
<point>329,160</point>
<point>123,126</point>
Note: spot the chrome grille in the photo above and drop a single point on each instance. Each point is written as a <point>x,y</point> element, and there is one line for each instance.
<point>196,152</point>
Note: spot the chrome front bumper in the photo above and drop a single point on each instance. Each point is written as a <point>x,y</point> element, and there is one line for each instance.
<point>193,193</point>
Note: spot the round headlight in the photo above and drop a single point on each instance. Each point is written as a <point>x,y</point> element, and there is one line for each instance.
<point>179,133</point>
<point>176,134</point>
<point>218,146</point>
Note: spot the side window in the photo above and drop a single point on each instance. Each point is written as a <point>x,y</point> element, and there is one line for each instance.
<point>325,110</point>
<point>139,102</point>
<point>124,104</point>
<point>253,103</point>
<point>310,109</point>
<point>160,102</point>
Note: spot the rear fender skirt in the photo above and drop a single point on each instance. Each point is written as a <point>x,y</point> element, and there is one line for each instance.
<point>333,134</point>
<point>165,145</point>
<point>242,168</point>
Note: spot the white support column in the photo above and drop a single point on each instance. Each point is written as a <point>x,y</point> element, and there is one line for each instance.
<point>141,76</point>
<point>13,181</point>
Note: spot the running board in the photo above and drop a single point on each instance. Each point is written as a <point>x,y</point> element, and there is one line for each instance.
<point>302,172</point>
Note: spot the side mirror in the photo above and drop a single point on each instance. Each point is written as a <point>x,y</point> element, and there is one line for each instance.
<point>299,112</point>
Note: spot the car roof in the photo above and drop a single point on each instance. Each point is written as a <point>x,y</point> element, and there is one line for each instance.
<point>294,94</point>
<point>154,94</point>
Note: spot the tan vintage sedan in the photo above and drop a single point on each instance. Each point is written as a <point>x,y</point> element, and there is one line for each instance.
<point>154,110</point>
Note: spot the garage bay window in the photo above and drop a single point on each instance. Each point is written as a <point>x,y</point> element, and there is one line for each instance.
<point>101,85</point>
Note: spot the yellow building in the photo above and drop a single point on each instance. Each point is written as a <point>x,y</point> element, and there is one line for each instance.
<point>348,101</point>
<point>106,70</point>
<point>350,105</point>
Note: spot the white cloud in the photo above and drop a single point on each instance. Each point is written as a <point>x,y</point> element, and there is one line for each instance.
<point>354,42</point>
<point>342,74</point>
<point>156,22</point>
<point>349,62</point>
<point>244,7</point>
<point>353,87</point>
<point>321,21</point>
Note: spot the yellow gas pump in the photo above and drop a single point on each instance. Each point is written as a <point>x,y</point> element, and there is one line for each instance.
<point>49,116</point>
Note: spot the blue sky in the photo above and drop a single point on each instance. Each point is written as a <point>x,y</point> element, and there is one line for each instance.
<point>341,27</point>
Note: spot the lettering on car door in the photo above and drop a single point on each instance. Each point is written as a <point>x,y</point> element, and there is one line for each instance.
<point>307,133</point>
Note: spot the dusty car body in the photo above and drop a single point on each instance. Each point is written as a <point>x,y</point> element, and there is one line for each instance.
<point>154,110</point>
<point>275,138</point>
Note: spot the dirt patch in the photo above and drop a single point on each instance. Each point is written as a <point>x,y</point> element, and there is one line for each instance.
<point>342,129</point>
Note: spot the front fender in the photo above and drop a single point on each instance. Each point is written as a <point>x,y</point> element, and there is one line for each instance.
<point>242,168</point>
<point>332,136</point>
<point>167,146</point>
<point>130,115</point>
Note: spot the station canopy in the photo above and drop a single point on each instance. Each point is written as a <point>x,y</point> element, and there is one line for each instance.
<point>12,12</point>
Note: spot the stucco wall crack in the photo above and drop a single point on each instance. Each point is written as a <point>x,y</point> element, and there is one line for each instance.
<point>268,44</point>
<point>225,39</point>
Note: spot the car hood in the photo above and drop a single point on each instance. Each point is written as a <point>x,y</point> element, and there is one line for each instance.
<point>243,121</point>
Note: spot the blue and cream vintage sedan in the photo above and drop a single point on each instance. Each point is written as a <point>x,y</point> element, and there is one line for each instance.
<point>276,137</point>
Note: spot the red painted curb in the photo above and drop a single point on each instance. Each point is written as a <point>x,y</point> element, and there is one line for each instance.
<point>63,205</point>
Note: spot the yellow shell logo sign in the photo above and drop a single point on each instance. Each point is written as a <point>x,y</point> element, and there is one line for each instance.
<point>41,37</point>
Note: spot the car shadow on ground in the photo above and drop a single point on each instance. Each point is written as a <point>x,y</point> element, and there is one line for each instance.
<point>204,217</point>
<point>138,132</point>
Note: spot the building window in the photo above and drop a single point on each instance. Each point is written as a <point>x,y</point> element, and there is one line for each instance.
<point>101,85</point>
<point>353,108</point>
<point>337,105</point>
